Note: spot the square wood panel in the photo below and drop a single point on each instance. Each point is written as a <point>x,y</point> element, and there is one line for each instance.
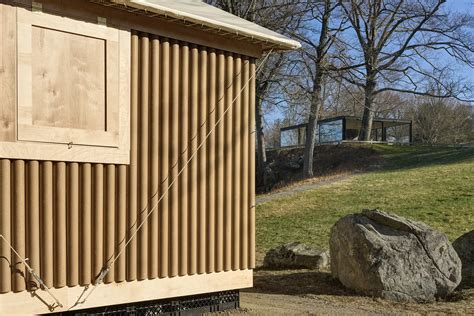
<point>69,80</point>
<point>65,86</point>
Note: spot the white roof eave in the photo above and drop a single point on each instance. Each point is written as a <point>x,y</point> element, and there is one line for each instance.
<point>188,10</point>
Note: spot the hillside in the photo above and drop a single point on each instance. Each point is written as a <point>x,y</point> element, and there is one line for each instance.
<point>434,185</point>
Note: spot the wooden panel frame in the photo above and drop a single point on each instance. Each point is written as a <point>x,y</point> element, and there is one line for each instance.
<point>29,132</point>
<point>69,144</point>
<point>126,292</point>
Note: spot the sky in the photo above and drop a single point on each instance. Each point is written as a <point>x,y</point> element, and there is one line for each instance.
<point>468,73</point>
<point>463,6</point>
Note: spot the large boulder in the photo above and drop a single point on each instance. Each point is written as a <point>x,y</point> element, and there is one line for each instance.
<point>464,246</point>
<point>296,256</point>
<point>388,256</point>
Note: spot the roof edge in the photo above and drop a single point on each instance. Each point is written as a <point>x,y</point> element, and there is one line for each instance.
<point>268,42</point>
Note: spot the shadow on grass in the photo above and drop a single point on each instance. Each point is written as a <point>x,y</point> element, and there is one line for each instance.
<point>307,282</point>
<point>399,158</point>
<point>300,282</point>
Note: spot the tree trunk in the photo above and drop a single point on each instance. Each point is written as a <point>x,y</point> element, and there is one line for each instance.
<point>261,154</point>
<point>311,128</point>
<point>368,116</point>
<point>316,95</point>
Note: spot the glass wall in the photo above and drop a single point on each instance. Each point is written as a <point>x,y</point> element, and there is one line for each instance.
<point>330,132</point>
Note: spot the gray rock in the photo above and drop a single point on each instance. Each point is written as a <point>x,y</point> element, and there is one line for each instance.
<point>296,256</point>
<point>464,246</point>
<point>387,256</point>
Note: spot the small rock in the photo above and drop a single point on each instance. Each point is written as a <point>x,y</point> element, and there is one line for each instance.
<point>387,256</point>
<point>296,256</point>
<point>464,246</point>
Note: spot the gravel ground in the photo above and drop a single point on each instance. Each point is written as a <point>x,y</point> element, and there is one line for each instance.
<point>304,292</point>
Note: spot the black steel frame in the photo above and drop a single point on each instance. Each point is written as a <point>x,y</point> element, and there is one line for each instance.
<point>180,306</point>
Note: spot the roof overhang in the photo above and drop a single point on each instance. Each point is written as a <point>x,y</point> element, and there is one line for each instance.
<point>197,14</point>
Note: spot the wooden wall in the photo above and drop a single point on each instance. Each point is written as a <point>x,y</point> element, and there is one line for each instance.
<point>70,219</point>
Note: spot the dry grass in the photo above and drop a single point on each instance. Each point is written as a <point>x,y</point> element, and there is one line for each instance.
<point>434,185</point>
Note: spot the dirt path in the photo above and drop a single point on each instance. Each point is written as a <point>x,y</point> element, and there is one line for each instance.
<point>305,292</point>
<point>300,187</point>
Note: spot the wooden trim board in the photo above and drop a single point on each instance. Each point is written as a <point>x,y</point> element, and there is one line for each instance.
<point>126,292</point>
<point>63,152</point>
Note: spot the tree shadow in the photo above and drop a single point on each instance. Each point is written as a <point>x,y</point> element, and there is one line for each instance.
<point>417,157</point>
<point>297,282</point>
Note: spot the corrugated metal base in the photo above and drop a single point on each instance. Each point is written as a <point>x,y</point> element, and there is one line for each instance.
<point>183,306</point>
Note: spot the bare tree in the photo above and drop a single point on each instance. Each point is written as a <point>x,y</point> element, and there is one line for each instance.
<point>399,46</point>
<point>279,15</point>
<point>317,35</point>
<point>441,121</point>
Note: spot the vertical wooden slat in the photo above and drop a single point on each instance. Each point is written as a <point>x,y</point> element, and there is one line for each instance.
<point>18,226</point>
<point>244,136</point>
<point>73,225</point>
<point>154,156</point>
<point>236,165</point>
<point>228,163</point>
<point>60,247</point>
<point>143,158</point>
<point>202,174</point>
<point>174,150</point>
<point>133,170</point>
<point>121,200</point>
<point>164,158</point>
<point>193,165</point>
<point>211,162</point>
<point>33,219</point>
<point>251,159</point>
<point>85,224</point>
<point>183,157</point>
<point>97,220</point>
<point>109,227</point>
<point>5,230</point>
<point>220,163</point>
<point>46,246</point>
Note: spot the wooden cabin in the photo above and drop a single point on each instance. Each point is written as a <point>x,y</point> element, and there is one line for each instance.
<point>126,151</point>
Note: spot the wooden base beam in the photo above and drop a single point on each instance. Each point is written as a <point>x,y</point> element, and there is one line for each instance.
<point>27,303</point>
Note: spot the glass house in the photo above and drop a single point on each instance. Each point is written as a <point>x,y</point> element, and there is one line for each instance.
<point>340,129</point>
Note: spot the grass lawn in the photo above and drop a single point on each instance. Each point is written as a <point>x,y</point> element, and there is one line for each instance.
<point>433,185</point>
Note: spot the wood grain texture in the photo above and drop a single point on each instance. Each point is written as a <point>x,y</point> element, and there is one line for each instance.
<point>8,74</point>
<point>127,292</point>
<point>69,82</point>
